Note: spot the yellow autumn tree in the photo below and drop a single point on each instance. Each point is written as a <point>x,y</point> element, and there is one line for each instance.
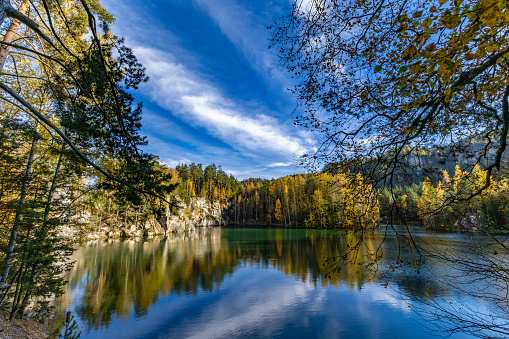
<point>427,203</point>
<point>381,83</point>
<point>278,212</point>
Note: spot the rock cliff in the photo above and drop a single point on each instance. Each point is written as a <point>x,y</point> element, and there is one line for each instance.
<point>188,216</point>
<point>199,212</point>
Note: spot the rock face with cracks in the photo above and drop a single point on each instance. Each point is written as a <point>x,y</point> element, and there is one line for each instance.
<point>188,216</point>
<point>198,213</point>
<point>470,223</point>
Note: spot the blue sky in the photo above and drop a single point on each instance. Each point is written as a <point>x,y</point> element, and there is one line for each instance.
<point>216,93</point>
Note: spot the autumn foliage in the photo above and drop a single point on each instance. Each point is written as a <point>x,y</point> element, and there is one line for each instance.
<point>379,80</point>
<point>319,200</point>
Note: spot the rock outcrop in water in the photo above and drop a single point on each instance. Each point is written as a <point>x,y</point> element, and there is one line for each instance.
<point>197,213</point>
<point>470,223</point>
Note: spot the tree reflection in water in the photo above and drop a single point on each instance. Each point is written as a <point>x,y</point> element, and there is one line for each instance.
<point>122,277</point>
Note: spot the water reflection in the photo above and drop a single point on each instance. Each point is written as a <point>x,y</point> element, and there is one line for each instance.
<point>129,279</point>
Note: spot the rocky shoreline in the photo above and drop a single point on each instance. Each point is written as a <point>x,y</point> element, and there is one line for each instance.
<point>198,213</point>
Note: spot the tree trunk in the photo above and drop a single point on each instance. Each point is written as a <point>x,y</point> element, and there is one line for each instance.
<point>19,214</point>
<point>17,294</point>
<point>295,206</point>
<point>11,33</point>
<point>35,266</point>
<point>288,207</point>
<point>4,52</point>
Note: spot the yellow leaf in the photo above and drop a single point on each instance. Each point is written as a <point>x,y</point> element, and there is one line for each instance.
<point>402,28</point>
<point>450,65</point>
<point>480,53</point>
<point>427,22</point>
<point>430,30</point>
<point>450,21</point>
<point>409,53</point>
<point>431,47</point>
<point>470,56</point>
<point>492,47</point>
<point>426,54</point>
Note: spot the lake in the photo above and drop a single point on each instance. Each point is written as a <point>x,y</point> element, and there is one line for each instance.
<point>252,283</point>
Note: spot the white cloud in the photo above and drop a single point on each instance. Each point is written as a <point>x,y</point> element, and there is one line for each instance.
<point>174,163</point>
<point>307,6</point>
<point>240,26</point>
<point>258,133</point>
<point>279,164</point>
<point>185,82</point>
<point>381,294</point>
<point>268,311</point>
<point>183,92</point>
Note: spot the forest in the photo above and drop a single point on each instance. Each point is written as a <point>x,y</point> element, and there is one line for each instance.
<point>339,200</point>
<point>323,200</point>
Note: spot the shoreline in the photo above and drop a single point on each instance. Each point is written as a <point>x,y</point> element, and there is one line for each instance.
<point>22,329</point>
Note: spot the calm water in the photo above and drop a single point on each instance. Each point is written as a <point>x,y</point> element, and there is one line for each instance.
<point>232,283</point>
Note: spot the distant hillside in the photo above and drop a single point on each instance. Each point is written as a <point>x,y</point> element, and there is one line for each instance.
<point>422,163</point>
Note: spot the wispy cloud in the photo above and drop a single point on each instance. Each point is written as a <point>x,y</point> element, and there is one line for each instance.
<point>307,6</point>
<point>268,312</point>
<point>174,163</point>
<point>188,96</point>
<point>248,32</point>
<point>279,164</point>
<point>214,91</point>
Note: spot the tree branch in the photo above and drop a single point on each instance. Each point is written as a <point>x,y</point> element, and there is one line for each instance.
<point>47,122</point>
